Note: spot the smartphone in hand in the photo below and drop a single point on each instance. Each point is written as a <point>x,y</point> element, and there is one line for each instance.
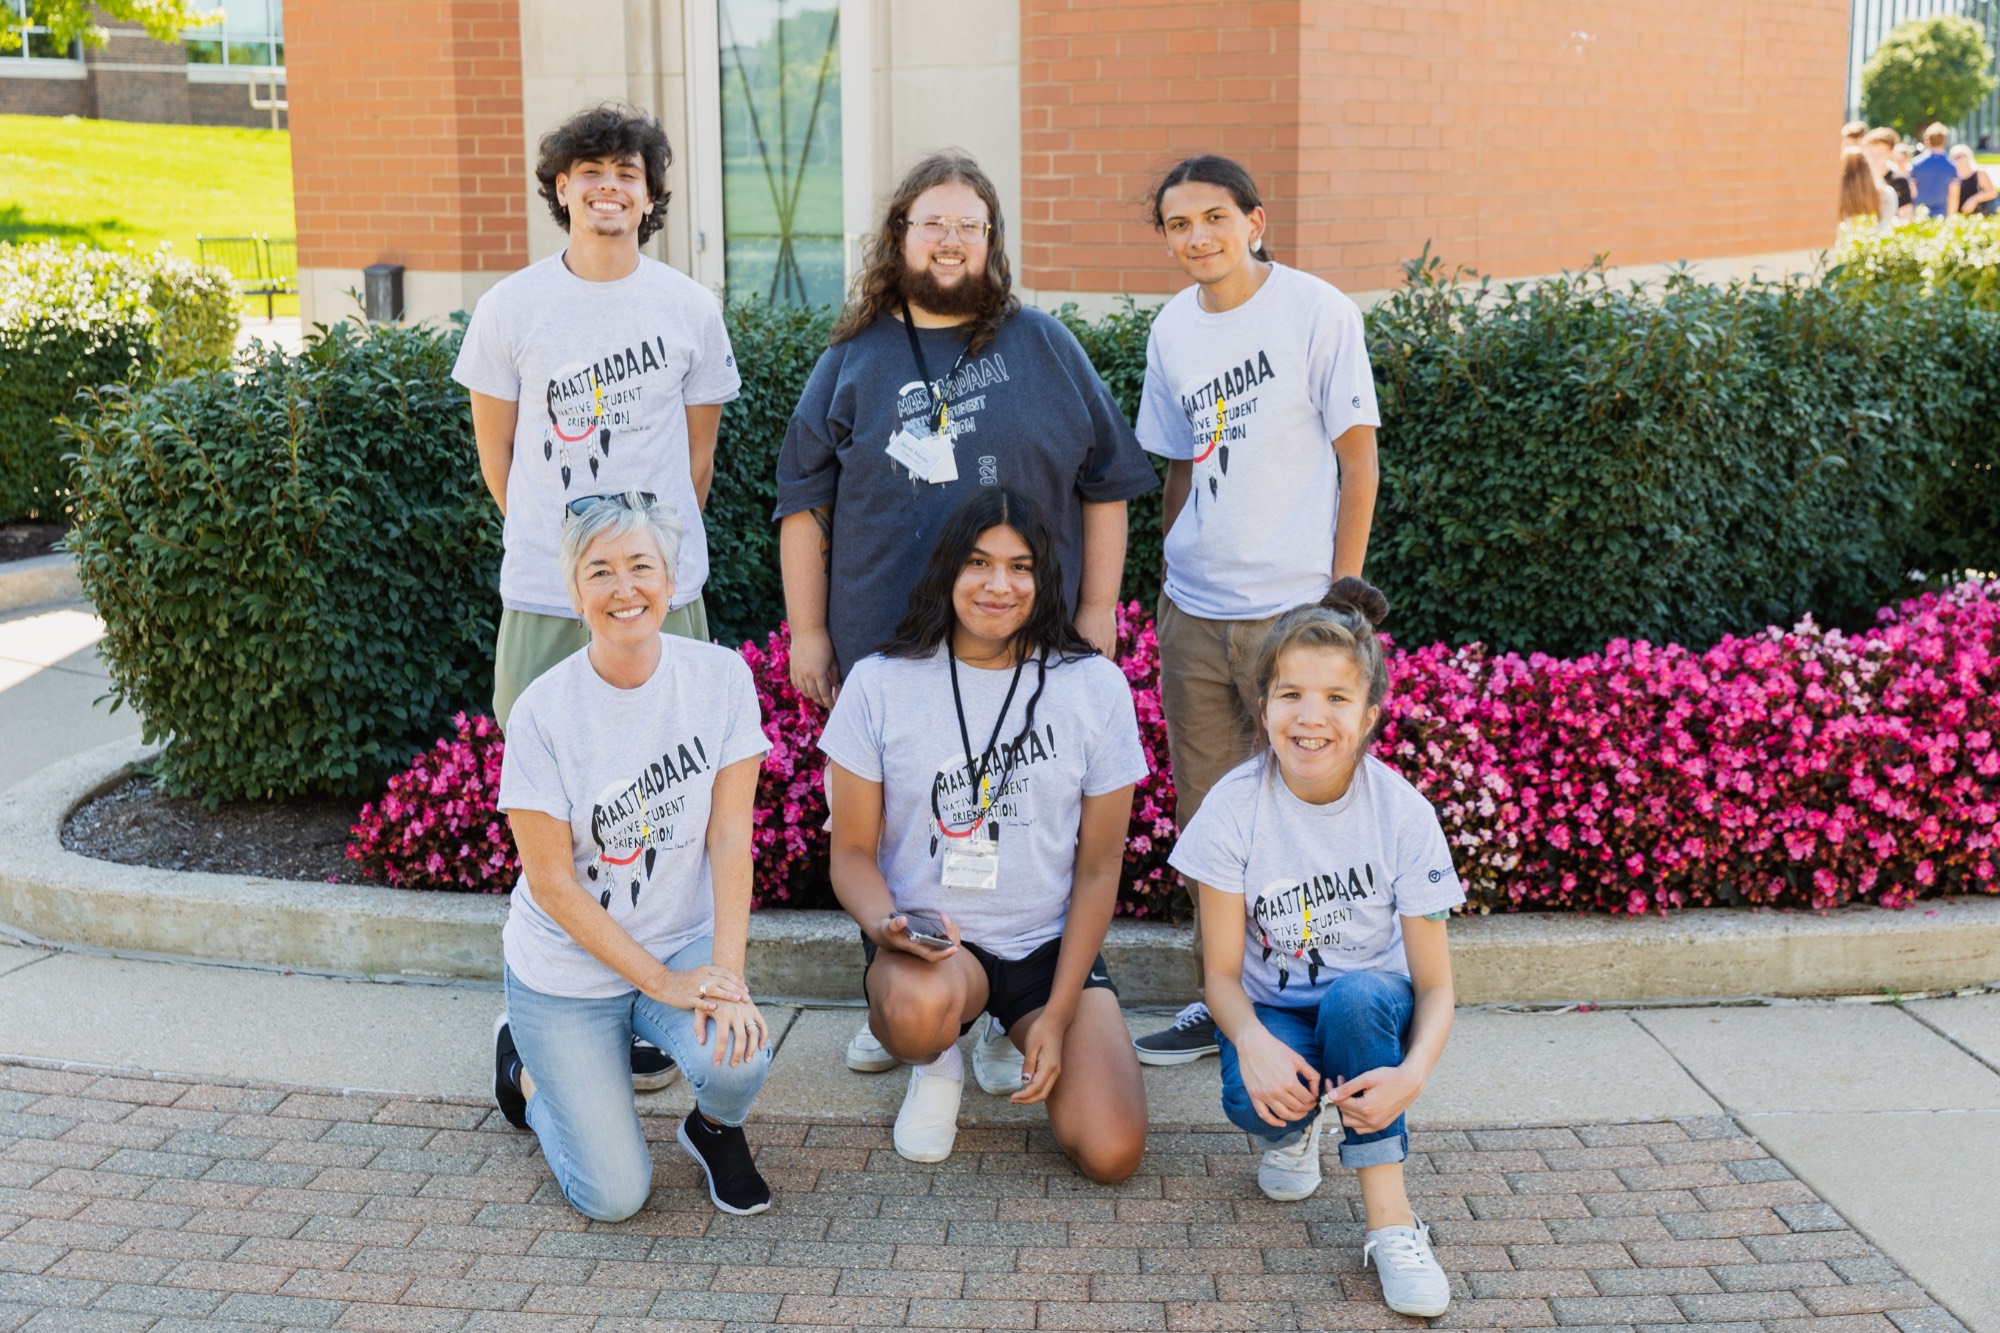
<point>926,930</point>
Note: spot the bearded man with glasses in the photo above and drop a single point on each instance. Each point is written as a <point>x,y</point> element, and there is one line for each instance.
<point>939,382</point>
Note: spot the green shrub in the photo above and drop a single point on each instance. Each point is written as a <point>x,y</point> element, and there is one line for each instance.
<point>1931,69</point>
<point>1569,462</point>
<point>296,565</point>
<point>72,320</point>
<point>1928,256</point>
<point>775,348</point>
<point>1116,346</point>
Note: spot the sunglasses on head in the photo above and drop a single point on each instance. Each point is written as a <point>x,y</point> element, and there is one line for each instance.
<point>583,504</point>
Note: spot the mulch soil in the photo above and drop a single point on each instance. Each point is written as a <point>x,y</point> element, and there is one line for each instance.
<point>25,539</point>
<point>135,823</point>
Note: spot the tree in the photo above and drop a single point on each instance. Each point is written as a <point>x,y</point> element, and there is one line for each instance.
<point>69,20</point>
<point>1934,69</point>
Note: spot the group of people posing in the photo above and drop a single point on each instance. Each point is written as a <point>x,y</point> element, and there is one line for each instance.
<point>951,516</point>
<point>1878,179</point>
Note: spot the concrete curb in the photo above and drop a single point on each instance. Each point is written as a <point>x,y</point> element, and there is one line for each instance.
<point>61,897</point>
<point>38,580</point>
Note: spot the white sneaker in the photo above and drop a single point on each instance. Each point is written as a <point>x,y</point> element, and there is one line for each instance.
<point>927,1124</point>
<point>865,1055</point>
<point>1412,1281</point>
<point>1291,1173</point>
<point>996,1062</point>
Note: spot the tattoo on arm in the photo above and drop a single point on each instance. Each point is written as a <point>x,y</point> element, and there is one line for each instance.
<point>824,517</point>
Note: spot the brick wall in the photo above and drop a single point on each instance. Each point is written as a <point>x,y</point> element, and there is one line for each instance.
<point>1516,136</point>
<point>407,137</point>
<point>145,80</point>
<point>229,104</point>
<point>44,97</point>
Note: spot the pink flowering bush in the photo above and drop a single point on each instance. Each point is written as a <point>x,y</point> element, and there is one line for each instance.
<point>1798,768</point>
<point>789,839</point>
<point>1793,768</point>
<point>437,827</point>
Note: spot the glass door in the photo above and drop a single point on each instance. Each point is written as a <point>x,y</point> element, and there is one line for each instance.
<point>782,219</point>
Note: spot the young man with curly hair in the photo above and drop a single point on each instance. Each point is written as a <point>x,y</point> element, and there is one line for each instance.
<point>595,371</point>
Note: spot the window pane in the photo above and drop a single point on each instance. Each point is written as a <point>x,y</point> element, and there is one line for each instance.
<point>278,54</point>
<point>781,215</point>
<point>42,46</point>
<point>204,52</point>
<point>249,53</point>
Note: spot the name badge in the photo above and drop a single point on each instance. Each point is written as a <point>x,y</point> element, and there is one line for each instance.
<point>926,456</point>
<point>972,863</point>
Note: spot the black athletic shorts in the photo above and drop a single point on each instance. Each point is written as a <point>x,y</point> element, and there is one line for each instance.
<point>1016,987</point>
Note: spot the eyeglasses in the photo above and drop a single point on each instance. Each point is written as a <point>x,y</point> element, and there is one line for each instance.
<point>583,504</point>
<point>934,230</point>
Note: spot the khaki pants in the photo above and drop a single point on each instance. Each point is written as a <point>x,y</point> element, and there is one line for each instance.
<point>529,644</point>
<point>1208,691</point>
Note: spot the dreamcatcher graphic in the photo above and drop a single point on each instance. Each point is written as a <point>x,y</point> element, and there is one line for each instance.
<point>595,435</point>
<point>1216,448</point>
<point>642,856</point>
<point>1306,951</point>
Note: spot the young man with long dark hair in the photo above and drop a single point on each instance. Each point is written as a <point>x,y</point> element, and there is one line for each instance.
<point>1259,395</point>
<point>596,371</point>
<point>982,772</point>
<point>939,383</point>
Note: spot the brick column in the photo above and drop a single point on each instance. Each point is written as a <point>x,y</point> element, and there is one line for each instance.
<point>406,148</point>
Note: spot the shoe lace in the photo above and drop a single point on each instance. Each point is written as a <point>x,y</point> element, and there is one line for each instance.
<point>1404,1251</point>
<point>1193,1016</point>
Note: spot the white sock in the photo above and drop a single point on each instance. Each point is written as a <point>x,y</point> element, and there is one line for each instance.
<point>950,1065</point>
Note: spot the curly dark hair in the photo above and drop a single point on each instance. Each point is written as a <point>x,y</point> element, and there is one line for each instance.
<point>878,288</point>
<point>610,130</point>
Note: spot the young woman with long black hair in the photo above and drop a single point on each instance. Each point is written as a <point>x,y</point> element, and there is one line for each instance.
<point>982,771</point>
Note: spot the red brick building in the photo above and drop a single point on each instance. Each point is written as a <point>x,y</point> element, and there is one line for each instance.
<point>1519,137</point>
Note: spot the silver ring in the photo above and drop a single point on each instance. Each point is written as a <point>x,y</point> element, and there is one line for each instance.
<point>702,990</point>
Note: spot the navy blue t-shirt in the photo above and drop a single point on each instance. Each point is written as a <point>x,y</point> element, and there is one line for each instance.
<point>1028,413</point>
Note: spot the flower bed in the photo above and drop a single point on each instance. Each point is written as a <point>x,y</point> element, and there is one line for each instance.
<point>1796,768</point>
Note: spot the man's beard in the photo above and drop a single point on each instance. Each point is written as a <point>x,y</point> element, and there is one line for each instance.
<point>964,299</point>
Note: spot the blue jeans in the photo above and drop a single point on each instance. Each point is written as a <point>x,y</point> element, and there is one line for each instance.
<point>1360,1023</point>
<point>579,1053</point>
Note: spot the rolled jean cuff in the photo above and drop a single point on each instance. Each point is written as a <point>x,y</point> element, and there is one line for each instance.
<point>1375,1152</point>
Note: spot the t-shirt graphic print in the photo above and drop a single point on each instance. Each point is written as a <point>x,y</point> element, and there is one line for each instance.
<point>1325,887</point>
<point>602,375</point>
<point>632,772</point>
<point>633,820</point>
<point>1253,399</point>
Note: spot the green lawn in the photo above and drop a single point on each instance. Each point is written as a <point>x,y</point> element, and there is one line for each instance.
<point>109,183</point>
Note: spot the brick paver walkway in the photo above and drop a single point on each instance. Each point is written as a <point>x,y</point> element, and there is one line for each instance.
<point>150,1204</point>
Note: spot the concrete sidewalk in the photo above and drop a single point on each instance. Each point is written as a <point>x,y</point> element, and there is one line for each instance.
<point>1887,1115</point>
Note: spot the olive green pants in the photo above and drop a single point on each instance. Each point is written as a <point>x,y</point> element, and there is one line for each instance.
<point>529,644</point>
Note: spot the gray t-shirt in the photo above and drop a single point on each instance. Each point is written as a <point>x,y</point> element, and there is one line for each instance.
<point>1289,370</point>
<point>1325,887</point>
<point>895,724</point>
<point>632,771</point>
<point>603,373</point>
<point>1027,413</point>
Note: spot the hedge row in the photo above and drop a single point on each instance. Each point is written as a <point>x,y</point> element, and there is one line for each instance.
<point>71,320</point>
<point>1565,463</point>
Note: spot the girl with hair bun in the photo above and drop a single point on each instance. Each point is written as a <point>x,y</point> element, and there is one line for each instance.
<point>1325,883</point>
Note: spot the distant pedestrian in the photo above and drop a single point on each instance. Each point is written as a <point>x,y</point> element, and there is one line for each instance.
<point>1880,144</point>
<point>1862,195</point>
<point>1851,132</point>
<point>1933,177</point>
<point>1976,193</point>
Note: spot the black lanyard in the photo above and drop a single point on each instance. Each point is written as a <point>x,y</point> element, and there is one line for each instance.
<point>977,768</point>
<point>933,388</point>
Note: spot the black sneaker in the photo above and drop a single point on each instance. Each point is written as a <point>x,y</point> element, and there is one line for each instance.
<point>652,1068</point>
<point>507,1075</point>
<point>724,1157</point>
<point>1191,1037</point>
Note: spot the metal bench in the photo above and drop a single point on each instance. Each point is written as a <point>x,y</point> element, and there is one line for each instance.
<point>261,266</point>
